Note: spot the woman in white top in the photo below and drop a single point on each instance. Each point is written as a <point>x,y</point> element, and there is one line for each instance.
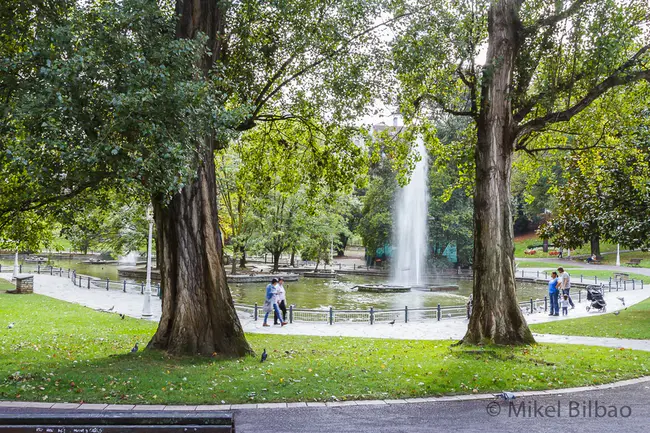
<point>281,300</point>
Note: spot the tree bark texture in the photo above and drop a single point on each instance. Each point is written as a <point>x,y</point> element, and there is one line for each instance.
<point>198,314</point>
<point>496,316</point>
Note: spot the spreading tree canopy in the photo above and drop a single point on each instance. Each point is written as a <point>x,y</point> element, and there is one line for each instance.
<point>136,96</point>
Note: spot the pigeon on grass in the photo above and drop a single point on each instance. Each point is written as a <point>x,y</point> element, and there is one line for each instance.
<point>264,356</point>
<point>135,348</point>
<point>11,325</point>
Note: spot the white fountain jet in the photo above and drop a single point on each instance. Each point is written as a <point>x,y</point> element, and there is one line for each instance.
<point>410,225</point>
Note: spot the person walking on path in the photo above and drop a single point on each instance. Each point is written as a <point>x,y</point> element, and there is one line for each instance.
<point>271,302</point>
<point>559,256</point>
<point>565,284</point>
<point>553,294</point>
<point>282,297</point>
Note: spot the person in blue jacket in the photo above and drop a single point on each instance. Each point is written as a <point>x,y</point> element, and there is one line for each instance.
<point>553,294</point>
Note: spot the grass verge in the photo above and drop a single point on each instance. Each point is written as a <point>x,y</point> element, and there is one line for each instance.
<point>61,352</point>
<point>610,259</point>
<point>523,242</point>
<point>633,322</point>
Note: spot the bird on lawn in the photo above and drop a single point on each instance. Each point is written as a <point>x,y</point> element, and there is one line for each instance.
<point>111,309</point>
<point>11,325</point>
<point>616,313</point>
<point>264,356</point>
<point>135,348</point>
<point>122,316</point>
<point>392,322</point>
<point>622,300</point>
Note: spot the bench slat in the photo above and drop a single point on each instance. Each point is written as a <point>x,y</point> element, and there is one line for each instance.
<point>119,417</point>
<point>117,422</point>
<point>45,428</point>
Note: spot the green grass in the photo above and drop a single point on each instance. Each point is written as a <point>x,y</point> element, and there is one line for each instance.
<point>633,322</point>
<point>522,243</point>
<point>60,352</point>
<point>610,259</point>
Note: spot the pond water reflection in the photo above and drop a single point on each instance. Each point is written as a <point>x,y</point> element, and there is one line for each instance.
<point>320,293</point>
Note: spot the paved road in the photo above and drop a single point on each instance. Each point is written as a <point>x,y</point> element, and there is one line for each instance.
<point>615,410</point>
<point>468,416</point>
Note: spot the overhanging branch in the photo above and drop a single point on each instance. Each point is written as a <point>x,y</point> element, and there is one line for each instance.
<point>621,76</point>
<point>418,101</point>
<point>596,144</point>
<point>554,19</point>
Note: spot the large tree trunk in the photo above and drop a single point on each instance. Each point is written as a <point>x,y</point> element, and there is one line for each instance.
<point>496,316</point>
<point>198,314</point>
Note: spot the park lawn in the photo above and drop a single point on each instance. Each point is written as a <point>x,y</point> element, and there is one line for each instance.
<point>633,322</point>
<point>602,275</point>
<point>522,243</point>
<point>62,352</point>
<point>610,259</point>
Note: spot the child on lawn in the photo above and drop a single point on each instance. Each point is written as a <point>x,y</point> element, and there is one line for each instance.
<point>565,305</point>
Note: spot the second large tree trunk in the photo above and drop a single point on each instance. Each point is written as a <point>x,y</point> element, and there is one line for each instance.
<point>496,316</point>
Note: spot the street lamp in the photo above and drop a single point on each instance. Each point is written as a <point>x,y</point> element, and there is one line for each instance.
<point>618,254</point>
<point>146,309</point>
<point>15,264</point>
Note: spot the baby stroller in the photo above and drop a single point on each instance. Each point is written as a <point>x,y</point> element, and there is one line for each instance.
<point>595,295</point>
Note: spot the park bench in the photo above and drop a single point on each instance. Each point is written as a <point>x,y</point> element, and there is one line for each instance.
<point>117,422</point>
<point>634,262</point>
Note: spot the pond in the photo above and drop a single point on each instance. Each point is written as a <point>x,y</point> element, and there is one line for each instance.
<point>102,271</point>
<point>321,293</point>
<point>339,293</point>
